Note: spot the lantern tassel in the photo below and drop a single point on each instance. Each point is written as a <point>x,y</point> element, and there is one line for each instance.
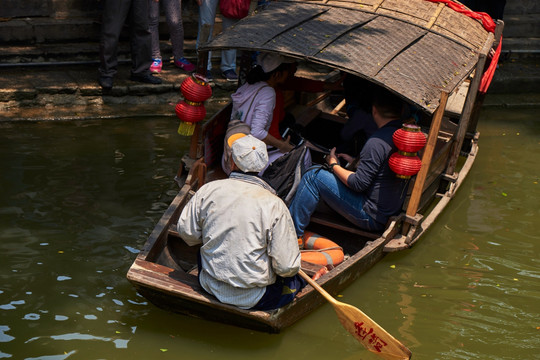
<point>186,128</point>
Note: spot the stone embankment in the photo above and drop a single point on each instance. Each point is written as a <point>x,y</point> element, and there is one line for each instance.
<point>63,89</point>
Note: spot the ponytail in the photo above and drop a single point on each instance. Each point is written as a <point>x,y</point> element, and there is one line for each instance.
<point>257,74</point>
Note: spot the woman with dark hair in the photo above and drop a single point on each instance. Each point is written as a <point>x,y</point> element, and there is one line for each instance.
<point>254,102</point>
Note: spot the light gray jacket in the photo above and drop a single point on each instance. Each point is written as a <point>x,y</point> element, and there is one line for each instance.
<point>247,237</point>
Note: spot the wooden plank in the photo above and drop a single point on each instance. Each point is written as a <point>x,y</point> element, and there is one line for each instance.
<point>213,135</point>
<point>159,276</point>
<point>341,225</point>
<point>435,15</point>
<point>456,101</point>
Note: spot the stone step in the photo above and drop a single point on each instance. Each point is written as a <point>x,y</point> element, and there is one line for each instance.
<point>80,52</point>
<point>38,30</point>
<point>516,77</point>
<point>519,26</point>
<point>521,47</point>
<point>57,92</point>
<point>517,7</point>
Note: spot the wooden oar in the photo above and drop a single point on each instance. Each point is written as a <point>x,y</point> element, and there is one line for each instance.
<point>365,330</point>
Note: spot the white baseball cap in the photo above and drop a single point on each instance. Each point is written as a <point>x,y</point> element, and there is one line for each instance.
<point>270,61</point>
<point>249,153</point>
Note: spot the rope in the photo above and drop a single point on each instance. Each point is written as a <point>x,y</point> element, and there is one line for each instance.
<point>488,75</point>
<point>323,250</point>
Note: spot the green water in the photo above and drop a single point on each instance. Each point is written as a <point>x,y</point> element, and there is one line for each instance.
<point>78,199</point>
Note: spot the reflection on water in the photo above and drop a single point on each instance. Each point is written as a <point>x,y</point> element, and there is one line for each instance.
<point>79,199</point>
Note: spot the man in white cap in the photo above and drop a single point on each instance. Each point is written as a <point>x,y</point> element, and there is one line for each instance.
<point>249,255</point>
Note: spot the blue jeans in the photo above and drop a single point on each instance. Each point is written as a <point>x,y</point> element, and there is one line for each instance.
<point>207,16</point>
<point>318,184</point>
<point>280,293</point>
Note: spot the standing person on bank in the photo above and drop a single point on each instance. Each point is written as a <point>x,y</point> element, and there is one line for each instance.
<point>249,255</point>
<point>367,197</point>
<point>207,16</point>
<point>173,15</point>
<point>115,14</point>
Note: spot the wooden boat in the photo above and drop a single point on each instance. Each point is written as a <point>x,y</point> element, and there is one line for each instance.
<point>422,51</point>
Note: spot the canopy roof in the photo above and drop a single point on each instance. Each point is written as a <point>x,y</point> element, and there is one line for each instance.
<point>415,48</point>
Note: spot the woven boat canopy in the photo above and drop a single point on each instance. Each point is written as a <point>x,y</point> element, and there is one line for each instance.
<point>414,48</point>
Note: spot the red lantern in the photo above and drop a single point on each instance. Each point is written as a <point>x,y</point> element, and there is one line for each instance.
<point>404,166</point>
<point>409,140</point>
<point>189,113</point>
<point>196,88</point>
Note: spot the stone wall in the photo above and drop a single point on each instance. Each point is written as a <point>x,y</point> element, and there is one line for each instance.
<point>522,27</point>
<point>61,21</point>
<point>49,8</point>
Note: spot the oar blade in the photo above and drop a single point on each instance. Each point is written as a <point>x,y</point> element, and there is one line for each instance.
<point>369,333</point>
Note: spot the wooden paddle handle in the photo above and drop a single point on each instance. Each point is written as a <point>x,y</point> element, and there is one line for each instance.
<point>317,287</point>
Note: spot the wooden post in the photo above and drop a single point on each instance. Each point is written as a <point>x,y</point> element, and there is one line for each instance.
<point>416,195</point>
<point>473,122</point>
<point>193,153</point>
<point>470,104</point>
<point>338,107</point>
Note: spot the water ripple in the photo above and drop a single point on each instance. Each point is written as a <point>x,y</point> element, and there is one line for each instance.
<point>119,343</point>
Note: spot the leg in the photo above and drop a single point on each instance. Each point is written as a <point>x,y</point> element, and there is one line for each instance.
<point>154,28</point>
<point>228,57</point>
<point>207,16</point>
<point>318,184</point>
<point>141,55</point>
<point>114,16</point>
<point>305,200</point>
<point>280,293</point>
<point>173,14</point>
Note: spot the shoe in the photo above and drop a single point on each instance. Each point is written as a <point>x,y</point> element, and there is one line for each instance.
<point>184,64</point>
<point>230,75</point>
<point>146,78</point>
<point>105,82</point>
<point>156,66</point>
<point>209,76</point>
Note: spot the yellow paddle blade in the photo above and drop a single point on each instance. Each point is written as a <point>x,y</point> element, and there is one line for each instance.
<point>369,333</point>
<point>365,330</point>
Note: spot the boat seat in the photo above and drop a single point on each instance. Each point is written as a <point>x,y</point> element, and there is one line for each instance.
<point>330,218</point>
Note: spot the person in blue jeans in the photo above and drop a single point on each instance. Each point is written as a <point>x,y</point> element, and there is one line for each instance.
<point>368,196</point>
<point>207,16</point>
<point>173,15</point>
